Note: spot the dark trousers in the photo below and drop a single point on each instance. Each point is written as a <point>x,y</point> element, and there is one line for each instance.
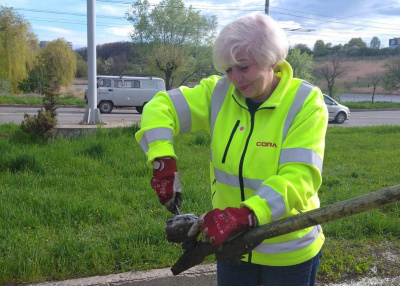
<point>229,273</point>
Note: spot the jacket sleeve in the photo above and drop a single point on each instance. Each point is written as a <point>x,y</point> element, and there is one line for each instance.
<point>174,112</point>
<point>294,188</point>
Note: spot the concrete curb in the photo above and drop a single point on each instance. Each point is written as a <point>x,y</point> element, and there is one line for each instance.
<point>200,275</point>
<point>71,130</point>
<point>374,109</point>
<point>197,276</point>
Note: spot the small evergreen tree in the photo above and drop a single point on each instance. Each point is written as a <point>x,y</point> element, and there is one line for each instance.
<point>45,122</point>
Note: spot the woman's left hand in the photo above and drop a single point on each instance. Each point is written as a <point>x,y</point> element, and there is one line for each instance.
<point>218,226</point>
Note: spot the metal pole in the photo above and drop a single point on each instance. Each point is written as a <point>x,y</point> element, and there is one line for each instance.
<point>92,114</point>
<point>267,7</point>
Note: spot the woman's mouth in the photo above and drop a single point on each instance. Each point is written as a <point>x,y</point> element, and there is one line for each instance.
<point>243,87</point>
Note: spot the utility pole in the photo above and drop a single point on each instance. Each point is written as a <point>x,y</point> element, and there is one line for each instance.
<point>267,7</point>
<point>92,113</point>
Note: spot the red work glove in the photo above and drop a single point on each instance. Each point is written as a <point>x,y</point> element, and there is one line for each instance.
<point>221,225</point>
<point>167,183</point>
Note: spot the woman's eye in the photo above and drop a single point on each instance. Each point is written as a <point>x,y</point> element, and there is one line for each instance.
<point>228,70</point>
<point>244,68</point>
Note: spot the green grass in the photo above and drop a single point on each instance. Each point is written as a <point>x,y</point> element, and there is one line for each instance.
<point>369,105</point>
<point>34,100</point>
<point>70,100</point>
<point>83,207</point>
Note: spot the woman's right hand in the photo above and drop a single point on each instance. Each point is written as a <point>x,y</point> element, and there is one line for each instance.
<point>166,183</point>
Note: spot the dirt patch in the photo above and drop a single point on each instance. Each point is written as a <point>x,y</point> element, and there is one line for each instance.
<point>384,271</point>
<point>80,81</point>
<point>72,91</point>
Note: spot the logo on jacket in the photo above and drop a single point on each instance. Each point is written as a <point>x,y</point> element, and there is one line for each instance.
<point>241,128</point>
<point>266,144</point>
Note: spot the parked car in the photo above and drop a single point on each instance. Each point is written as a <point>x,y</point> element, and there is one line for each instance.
<point>126,91</point>
<point>337,112</point>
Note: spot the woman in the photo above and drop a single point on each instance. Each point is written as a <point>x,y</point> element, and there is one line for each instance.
<point>267,145</point>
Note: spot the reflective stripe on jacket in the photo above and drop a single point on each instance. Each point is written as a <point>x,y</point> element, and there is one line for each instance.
<point>269,160</point>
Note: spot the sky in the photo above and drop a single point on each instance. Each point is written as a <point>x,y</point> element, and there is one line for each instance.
<point>305,22</point>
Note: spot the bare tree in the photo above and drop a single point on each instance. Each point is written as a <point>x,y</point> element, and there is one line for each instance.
<point>331,70</point>
<point>376,78</point>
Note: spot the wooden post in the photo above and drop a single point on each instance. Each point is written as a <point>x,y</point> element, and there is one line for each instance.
<point>246,242</point>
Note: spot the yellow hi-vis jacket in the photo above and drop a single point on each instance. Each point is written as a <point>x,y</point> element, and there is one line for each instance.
<point>269,160</point>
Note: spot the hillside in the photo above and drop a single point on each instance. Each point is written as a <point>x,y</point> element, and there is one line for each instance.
<point>357,78</point>
<point>358,75</point>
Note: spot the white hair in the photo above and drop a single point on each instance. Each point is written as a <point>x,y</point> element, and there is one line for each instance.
<point>258,35</point>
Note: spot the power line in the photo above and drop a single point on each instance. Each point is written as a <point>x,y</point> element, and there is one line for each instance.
<point>349,18</point>
<point>67,13</point>
<point>72,22</point>
<point>211,8</point>
<point>331,21</point>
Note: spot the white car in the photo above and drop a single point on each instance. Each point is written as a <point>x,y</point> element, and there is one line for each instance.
<point>337,112</point>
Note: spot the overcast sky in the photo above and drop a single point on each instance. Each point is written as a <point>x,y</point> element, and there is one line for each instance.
<point>334,21</point>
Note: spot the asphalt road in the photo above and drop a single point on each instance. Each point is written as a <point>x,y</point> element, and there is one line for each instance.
<point>75,115</point>
<point>371,118</point>
<point>67,115</point>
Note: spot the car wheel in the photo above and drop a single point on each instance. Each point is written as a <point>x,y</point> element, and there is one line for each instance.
<point>106,106</point>
<point>140,108</point>
<point>340,117</point>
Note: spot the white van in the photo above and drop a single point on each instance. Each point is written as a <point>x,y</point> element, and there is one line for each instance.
<point>126,91</point>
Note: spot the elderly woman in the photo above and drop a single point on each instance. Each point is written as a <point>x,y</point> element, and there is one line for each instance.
<point>267,146</point>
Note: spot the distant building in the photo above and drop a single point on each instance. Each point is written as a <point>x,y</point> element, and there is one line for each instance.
<point>394,43</point>
<point>42,44</point>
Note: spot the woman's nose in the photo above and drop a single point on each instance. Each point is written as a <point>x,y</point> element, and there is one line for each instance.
<point>236,76</point>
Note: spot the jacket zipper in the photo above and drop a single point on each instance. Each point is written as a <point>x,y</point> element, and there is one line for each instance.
<point>230,141</point>
<point>241,182</point>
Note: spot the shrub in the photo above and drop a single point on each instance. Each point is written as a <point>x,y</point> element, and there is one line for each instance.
<point>42,124</point>
<point>45,122</point>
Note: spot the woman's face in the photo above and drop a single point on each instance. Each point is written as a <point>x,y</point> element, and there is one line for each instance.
<point>250,80</point>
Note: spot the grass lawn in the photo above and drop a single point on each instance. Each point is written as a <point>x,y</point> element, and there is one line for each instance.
<point>67,98</point>
<point>38,100</point>
<point>84,207</point>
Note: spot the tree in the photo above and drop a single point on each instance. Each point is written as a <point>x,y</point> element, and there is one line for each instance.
<point>59,62</point>
<point>375,43</point>
<point>18,47</point>
<point>391,77</point>
<point>44,123</point>
<point>81,67</point>
<point>331,70</point>
<point>302,64</point>
<point>170,25</point>
<point>36,81</point>
<point>337,48</point>
<point>376,78</point>
<point>357,42</point>
<point>320,49</point>
<point>200,64</point>
<point>169,59</point>
<point>303,48</point>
